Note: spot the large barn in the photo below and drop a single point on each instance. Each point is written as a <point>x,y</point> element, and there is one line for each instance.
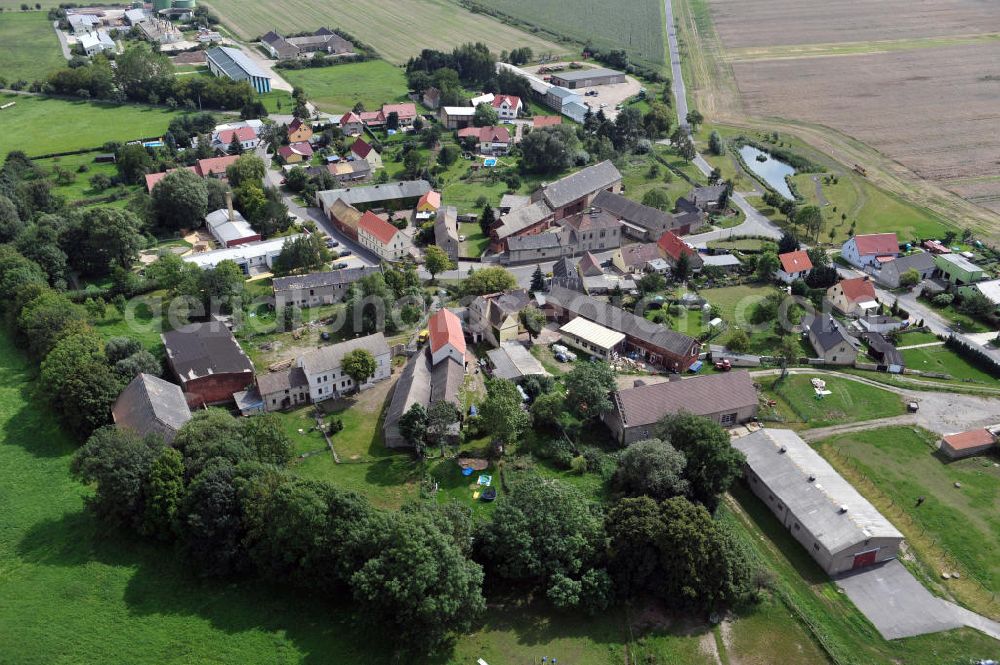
<point>837,526</point>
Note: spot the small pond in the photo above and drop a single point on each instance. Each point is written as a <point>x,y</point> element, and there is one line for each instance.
<point>771,171</point>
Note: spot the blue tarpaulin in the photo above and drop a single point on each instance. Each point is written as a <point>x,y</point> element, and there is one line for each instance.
<point>695,366</point>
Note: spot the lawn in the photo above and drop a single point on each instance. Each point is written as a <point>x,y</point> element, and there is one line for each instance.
<point>74,125</point>
<point>894,466</point>
<point>798,406</point>
<point>944,360</point>
<point>736,305</point>
<point>337,89</point>
<point>29,48</point>
<point>917,337</point>
<point>475,240</point>
<point>142,321</point>
<point>80,187</point>
<point>637,178</point>
<point>397,30</point>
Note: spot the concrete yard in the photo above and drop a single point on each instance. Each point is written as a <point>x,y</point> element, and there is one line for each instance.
<point>609,95</point>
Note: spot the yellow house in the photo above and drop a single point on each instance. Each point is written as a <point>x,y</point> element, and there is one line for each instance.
<point>429,202</point>
<point>299,131</point>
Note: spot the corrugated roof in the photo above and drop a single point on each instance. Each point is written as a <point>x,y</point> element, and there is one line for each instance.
<point>593,333</point>
<point>812,490</point>
<point>512,361</point>
<point>578,74</point>
<point>698,395</point>
<point>240,253</point>
<point>577,185</point>
<point>201,349</point>
<point>315,280</point>
<point>959,262</point>
<point>233,62</point>
<point>390,191</point>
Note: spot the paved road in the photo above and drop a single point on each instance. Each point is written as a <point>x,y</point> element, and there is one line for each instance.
<point>62,40</point>
<point>756,224</point>
<point>936,323</point>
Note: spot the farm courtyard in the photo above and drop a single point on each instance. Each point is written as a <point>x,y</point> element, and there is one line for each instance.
<point>915,81</point>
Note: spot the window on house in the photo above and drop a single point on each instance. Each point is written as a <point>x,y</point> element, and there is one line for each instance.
<point>728,418</point>
<point>816,546</point>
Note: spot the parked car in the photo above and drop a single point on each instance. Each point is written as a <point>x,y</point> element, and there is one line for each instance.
<point>461,238</point>
<point>341,266</point>
<point>561,357</point>
<point>345,252</point>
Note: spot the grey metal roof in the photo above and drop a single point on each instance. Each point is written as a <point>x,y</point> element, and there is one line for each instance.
<point>562,93</point>
<point>577,185</point>
<point>812,490</point>
<point>633,212</point>
<point>446,229</point>
<point>150,405</point>
<point>959,262</point>
<point>698,395</point>
<point>201,349</point>
<point>315,280</point>
<point>720,260</point>
<point>412,387</point>
<point>512,361</point>
<point>578,74</point>
<point>519,219</point>
<point>447,378</point>
<point>327,358</point>
<point>227,230</point>
<point>390,191</point>
<point>535,241</point>
<point>618,319</point>
<point>921,261</point>
<point>235,63</point>
<point>882,349</point>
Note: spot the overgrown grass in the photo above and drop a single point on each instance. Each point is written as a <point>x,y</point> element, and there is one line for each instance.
<point>29,48</point>
<point>800,407</point>
<point>954,527</point>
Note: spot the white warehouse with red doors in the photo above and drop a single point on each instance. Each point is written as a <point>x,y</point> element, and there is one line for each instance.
<point>837,526</point>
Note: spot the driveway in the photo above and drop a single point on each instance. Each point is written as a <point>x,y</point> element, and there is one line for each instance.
<point>277,83</point>
<point>62,40</point>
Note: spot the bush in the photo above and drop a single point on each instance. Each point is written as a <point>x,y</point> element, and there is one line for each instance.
<point>943,299</point>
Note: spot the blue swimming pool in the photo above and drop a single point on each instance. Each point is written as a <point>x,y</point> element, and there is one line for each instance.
<point>490,161</point>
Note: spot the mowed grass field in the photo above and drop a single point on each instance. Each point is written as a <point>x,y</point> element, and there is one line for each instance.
<point>397,30</point>
<point>954,525</point>
<point>635,26</point>
<point>29,48</point>
<point>850,402</point>
<point>337,89</point>
<point>41,125</point>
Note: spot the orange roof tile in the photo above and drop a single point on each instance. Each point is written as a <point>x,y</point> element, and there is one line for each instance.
<point>971,439</point>
<point>858,289</point>
<point>877,243</point>
<point>378,227</point>
<point>445,328</point>
<point>795,261</point>
<point>671,245</point>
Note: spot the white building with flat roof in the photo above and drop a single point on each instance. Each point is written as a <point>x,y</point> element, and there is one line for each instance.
<point>592,338</point>
<point>254,255</point>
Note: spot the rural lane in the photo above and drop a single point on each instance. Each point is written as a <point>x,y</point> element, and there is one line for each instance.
<point>63,44</point>
<point>755,224</point>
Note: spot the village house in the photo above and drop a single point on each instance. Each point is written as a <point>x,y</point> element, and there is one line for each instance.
<point>830,342</point>
<point>634,259</point>
<point>512,361</point>
<point>968,443</point>
<point>228,227</point>
<point>344,206</point>
<point>871,251</point>
<point>839,528</point>
<point>672,248</point>
<point>495,317</point>
<point>383,238</point>
<point>317,288</point>
<point>296,153</point>
<point>323,40</point>
<point>711,198</point>
<point>728,399</point>
<point>793,265</point>
<point>429,202</point>
<point>508,107</point>
<point>446,231</point>
<point>891,272</point>
<point>362,150</point>
<point>149,405</point>
<point>406,113</point>
<point>853,297</point>
<point>346,173</point>
<point>299,131</point>
<point>490,140</point>
<point>446,337</point>
<point>93,43</point>
<point>592,339</point>
<point>527,220</point>
<point>566,275</point>
<point>456,117</point>
<point>283,389</point>
<point>324,371</point>
<point>351,124</point>
<point>208,362</point>
<point>575,192</point>
<point>245,135</point>
<point>213,167</point>
<point>880,323</point>
<point>592,231</point>
<point>646,341</point>
<point>236,65</point>
<point>645,223</point>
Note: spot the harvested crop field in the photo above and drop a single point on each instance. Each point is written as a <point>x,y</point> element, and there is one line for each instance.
<point>934,110</point>
<point>915,81</point>
<point>397,30</point>
<point>744,23</point>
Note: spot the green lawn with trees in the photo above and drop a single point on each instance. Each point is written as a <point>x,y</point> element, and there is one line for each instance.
<point>29,48</point>
<point>76,125</point>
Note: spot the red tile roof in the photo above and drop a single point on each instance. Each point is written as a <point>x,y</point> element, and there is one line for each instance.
<point>378,227</point>
<point>546,120</point>
<point>294,125</point>
<point>372,117</point>
<point>488,134</point>
<point>795,261</point>
<point>406,110</point>
<point>153,178</point>
<point>242,134</point>
<point>673,246</point>
<point>349,118</point>
<point>445,328</point>
<point>214,165</point>
<point>971,439</point>
<point>877,243</point>
<point>362,148</point>
<point>858,289</point>
<point>431,198</point>
<point>512,100</point>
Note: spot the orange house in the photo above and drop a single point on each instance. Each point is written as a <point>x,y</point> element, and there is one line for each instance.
<point>299,131</point>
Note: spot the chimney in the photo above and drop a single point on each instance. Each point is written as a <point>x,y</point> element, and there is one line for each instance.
<point>229,206</point>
